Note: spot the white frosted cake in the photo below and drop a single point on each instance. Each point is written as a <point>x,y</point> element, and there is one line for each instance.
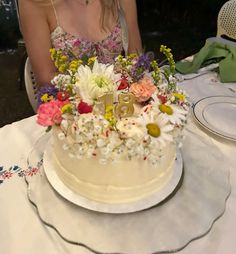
<point>116,180</point>
<point>115,128</point>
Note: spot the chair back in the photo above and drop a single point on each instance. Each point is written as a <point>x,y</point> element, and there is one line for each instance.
<point>226,21</point>
<point>30,85</point>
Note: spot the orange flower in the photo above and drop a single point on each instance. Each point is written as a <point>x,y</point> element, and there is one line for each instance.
<point>143,89</point>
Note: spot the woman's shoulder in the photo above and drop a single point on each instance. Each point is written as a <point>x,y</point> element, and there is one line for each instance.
<point>35,6</point>
<point>36,10</point>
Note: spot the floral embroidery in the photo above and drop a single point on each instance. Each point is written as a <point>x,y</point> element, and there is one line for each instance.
<point>6,174</point>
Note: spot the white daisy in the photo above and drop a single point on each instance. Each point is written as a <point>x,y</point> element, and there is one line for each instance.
<point>169,111</point>
<point>157,127</point>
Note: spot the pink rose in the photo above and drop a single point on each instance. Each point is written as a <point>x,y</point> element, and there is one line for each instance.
<point>143,89</point>
<point>50,113</point>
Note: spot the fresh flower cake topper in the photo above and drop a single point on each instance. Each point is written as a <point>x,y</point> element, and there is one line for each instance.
<point>131,105</point>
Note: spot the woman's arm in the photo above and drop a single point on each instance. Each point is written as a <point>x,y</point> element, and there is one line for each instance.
<point>36,33</point>
<point>130,11</point>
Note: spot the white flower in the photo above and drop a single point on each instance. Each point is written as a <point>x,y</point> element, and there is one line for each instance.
<point>61,80</point>
<point>169,111</point>
<point>178,115</point>
<point>101,142</point>
<point>115,140</point>
<point>95,82</point>
<point>129,128</point>
<point>157,128</point>
<point>61,136</point>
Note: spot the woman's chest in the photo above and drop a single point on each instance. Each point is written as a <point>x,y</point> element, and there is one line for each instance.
<point>86,22</point>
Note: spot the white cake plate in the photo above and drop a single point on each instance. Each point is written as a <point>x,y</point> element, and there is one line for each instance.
<point>186,215</point>
<point>153,199</point>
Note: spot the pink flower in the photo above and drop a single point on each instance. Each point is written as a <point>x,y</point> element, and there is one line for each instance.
<point>50,113</point>
<point>7,175</point>
<point>143,89</point>
<point>84,108</point>
<point>76,43</point>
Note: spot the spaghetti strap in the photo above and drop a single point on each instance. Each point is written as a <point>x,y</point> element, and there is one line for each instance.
<point>55,13</point>
<point>124,30</point>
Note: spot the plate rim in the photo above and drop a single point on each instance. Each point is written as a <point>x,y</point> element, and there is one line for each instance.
<point>204,124</point>
<point>128,207</point>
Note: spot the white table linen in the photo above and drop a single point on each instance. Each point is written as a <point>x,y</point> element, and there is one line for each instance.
<point>22,231</point>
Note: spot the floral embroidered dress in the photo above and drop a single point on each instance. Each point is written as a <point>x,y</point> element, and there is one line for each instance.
<point>106,50</point>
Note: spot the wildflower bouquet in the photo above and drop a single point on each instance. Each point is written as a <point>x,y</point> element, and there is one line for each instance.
<point>131,105</point>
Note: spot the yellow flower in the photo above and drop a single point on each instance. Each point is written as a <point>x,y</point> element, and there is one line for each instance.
<point>53,53</point>
<point>167,52</point>
<point>166,109</point>
<point>179,96</point>
<point>62,68</point>
<point>130,57</point>
<point>73,66</point>
<point>64,58</point>
<point>109,112</point>
<point>119,58</point>
<point>109,115</point>
<point>153,130</point>
<point>156,74</point>
<point>91,61</point>
<point>46,98</point>
<point>66,108</point>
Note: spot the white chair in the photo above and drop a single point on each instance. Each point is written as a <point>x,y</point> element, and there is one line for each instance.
<point>226,21</point>
<point>30,85</point>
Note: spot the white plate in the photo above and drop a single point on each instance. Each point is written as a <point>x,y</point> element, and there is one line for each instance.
<point>218,115</point>
<point>49,165</point>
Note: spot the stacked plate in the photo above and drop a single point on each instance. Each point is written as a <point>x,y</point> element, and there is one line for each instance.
<point>217,114</point>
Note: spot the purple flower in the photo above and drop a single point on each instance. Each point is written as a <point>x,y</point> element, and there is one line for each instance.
<point>49,90</point>
<point>142,65</point>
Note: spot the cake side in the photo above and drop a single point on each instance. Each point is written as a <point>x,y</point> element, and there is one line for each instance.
<point>118,182</point>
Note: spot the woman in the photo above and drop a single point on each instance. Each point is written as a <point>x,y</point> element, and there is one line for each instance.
<point>77,27</point>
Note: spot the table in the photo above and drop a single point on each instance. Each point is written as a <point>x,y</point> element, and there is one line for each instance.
<point>21,230</point>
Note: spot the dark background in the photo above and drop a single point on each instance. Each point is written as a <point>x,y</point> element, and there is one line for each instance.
<point>182,25</point>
